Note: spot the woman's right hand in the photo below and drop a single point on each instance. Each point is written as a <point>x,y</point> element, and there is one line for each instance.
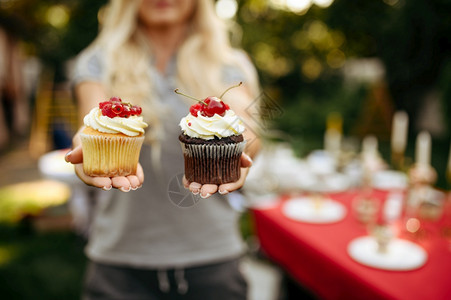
<point>123,183</point>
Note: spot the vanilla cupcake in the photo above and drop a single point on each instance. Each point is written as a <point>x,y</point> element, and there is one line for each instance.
<point>112,139</point>
<point>212,142</point>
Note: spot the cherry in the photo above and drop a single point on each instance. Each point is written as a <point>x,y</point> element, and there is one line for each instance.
<point>214,106</point>
<point>210,105</point>
<point>195,108</point>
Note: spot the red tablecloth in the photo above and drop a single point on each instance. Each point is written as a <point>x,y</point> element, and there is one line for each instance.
<point>316,255</point>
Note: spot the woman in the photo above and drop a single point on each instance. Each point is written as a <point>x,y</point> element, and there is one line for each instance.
<point>141,245</point>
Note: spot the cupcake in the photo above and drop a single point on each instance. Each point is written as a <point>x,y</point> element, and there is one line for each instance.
<point>112,139</point>
<point>212,142</point>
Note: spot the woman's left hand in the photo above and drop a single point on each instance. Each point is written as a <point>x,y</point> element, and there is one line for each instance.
<point>206,190</point>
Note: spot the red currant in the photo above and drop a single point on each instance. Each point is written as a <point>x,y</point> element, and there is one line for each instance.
<point>115,99</point>
<point>117,108</point>
<point>126,112</point>
<point>102,104</point>
<point>107,110</point>
<point>136,110</point>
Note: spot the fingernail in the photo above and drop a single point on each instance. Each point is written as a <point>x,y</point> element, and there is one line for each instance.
<point>205,196</point>
<point>66,157</point>
<point>248,158</point>
<point>134,188</point>
<point>195,192</point>
<point>107,188</point>
<point>223,192</point>
<point>125,190</point>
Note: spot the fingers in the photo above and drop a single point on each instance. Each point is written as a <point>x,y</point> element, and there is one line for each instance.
<point>246,161</point>
<point>207,190</point>
<point>195,187</point>
<point>122,183</point>
<point>185,182</point>
<point>140,174</point>
<point>226,188</point>
<point>100,182</point>
<point>129,183</point>
<point>75,156</point>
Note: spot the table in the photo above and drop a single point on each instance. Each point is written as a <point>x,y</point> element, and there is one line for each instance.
<point>316,256</point>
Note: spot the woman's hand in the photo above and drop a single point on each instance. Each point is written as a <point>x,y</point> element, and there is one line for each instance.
<point>206,190</point>
<point>123,183</point>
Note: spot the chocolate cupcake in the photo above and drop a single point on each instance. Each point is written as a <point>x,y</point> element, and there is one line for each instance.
<point>212,142</point>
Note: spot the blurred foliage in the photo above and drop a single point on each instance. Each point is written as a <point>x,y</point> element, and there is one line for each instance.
<point>299,56</point>
<point>53,30</point>
<point>40,265</point>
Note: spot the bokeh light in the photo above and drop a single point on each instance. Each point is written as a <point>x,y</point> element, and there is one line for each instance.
<point>323,3</point>
<point>336,58</point>
<point>312,68</point>
<point>301,6</point>
<point>413,225</point>
<point>298,6</point>
<point>57,16</point>
<point>226,9</point>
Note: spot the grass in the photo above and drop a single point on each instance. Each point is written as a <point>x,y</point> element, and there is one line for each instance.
<point>36,265</point>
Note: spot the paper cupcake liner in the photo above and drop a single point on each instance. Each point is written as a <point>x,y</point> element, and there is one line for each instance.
<point>214,164</point>
<point>108,156</point>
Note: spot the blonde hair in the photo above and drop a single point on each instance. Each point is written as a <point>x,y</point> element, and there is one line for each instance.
<point>200,59</point>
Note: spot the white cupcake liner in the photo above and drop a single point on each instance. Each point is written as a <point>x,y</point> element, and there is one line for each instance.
<point>110,156</point>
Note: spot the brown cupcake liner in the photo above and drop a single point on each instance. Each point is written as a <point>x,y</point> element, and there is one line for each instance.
<point>108,156</point>
<point>213,164</point>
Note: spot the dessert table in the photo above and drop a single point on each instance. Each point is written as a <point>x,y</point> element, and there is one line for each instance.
<point>318,256</point>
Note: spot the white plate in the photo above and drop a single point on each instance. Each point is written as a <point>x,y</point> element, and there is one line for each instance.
<point>305,209</point>
<point>53,165</point>
<point>401,255</point>
<point>332,183</point>
<point>389,180</point>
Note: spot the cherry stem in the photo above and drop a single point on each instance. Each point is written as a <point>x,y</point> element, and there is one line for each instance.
<point>200,101</point>
<point>232,87</point>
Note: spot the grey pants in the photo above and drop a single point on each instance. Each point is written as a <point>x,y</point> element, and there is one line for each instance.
<point>215,281</point>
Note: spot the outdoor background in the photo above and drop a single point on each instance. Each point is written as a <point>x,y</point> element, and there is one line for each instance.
<point>360,60</point>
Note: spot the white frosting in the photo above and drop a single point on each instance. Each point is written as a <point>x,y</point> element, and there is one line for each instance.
<point>208,127</point>
<point>131,126</point>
